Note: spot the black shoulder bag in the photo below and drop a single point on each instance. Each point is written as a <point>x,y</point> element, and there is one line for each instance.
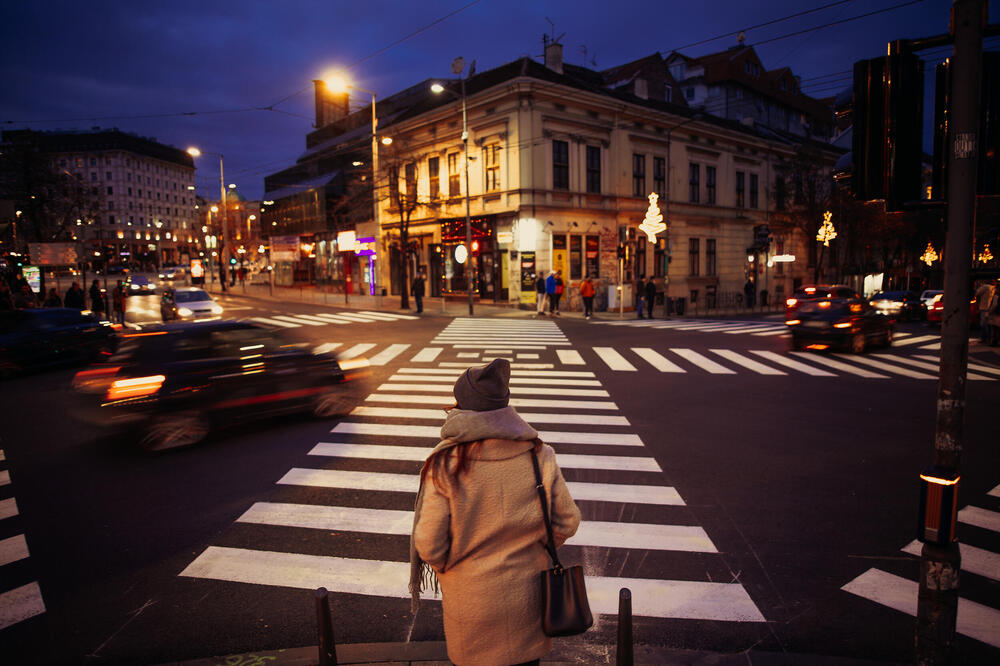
<point>565,610</point>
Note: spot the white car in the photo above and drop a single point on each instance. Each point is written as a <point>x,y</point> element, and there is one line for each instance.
<point>189,303</point>
<point>927,297</point>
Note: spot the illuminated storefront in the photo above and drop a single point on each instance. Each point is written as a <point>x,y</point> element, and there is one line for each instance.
<point>453,264</point>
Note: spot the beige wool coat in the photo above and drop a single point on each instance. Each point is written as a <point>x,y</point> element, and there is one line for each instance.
<point>483,536</point>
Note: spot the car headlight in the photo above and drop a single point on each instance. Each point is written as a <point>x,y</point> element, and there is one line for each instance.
<point>185,312</point>
<point>216,309</point>
<point>162,276</point>
<point>135,286</point>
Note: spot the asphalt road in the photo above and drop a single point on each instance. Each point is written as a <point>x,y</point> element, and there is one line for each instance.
<point>762,484</point>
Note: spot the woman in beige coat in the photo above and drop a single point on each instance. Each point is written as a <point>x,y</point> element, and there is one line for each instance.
<point>478,524</point>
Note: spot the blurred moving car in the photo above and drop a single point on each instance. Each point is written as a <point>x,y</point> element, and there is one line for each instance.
<point>927,296</point>
<point>43,337</point>
<point>848,323</point>
<point>935,311</point>
<point>188,303</point>
<point>903,305</point>
<point>172,273</point>
<point>137,283</point>
<point>172,383</point>
<point>815,292</point>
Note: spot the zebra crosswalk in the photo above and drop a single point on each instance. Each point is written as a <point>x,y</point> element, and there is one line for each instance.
<point>297,320</point>
<point>19,602</point>
<point>980,570</point>
<point>375,453</point>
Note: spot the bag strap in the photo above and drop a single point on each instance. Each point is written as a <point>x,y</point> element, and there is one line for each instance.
<point>550,543</point>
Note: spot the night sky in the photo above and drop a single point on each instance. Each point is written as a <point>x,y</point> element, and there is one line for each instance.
<point>193,72</point>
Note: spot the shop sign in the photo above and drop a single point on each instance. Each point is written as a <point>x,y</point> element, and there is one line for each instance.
<point>284,248</point>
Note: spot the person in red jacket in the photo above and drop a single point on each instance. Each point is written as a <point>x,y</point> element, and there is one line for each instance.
<point>587,292</point>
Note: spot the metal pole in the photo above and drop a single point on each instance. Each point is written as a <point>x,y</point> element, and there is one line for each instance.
<point>624,651</point>
<point>324,627</point>
<point>378,226</point>
<point>223,266</point>
<point>468,221</point>
<point>937,600</point>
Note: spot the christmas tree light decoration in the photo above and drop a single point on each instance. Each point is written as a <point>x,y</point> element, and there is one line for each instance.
<point>826,232</point>
<point>986,256</point>
<point>929,256</point>
<point>653,224</point>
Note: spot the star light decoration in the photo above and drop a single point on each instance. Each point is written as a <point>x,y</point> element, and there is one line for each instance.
<point>929,256</point>
<point>653,224</point>
<point>826,232</point>
<point>986,256</point>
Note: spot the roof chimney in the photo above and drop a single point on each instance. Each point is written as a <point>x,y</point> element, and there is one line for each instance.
<point>553,57</point>
<point>330,106</point>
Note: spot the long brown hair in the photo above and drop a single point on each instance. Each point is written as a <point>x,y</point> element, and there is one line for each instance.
<point>447,465</point>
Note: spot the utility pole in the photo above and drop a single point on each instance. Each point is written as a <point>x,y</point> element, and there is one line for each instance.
<point>940,558</point>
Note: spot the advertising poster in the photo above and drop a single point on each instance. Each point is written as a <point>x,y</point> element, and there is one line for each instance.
<point>528,277</point>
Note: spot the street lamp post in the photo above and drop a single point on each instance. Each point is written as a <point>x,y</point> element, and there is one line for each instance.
<point>195,152</point>
<point>339,82</point>
<point>457,67</point>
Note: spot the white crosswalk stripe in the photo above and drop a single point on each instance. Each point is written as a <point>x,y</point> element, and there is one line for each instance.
<point>379,448</point>
<point>614,360</point>
<point>274,322</point>
<point>656,360</point>
<point>790,363</point>
<point>24,602</point>
<point>747,363</point>
<point>387,354</point>
<point>357,350</point>
<point>302,321</point>
<point>703,362</point>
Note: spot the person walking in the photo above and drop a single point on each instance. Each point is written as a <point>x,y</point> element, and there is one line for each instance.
<point>96,298</point>
<point>540,295</point>
<point>560,288</point>
<point>25,299</point>
<point>417,290</point>
<point>984,296</point>
<point>749,293</point>
<point>119,302</point>
<point>550,291</point>
<point>487,555</point>
<point>75,297</point>
<point>52,300</point>
<point>650,297</point>
<point>587,292</point>
<point>640,297</point>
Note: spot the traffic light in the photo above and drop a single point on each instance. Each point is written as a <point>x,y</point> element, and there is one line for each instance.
<point>887,143</point>
<point>988,167</point>
<point>232,260</point>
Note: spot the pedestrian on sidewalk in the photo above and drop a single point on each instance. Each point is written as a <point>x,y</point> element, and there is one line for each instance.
<point>26,299</point>
<point>487,557</point>
<point>540,295</point>
<point>52,300</point>
<point>650,297</point>
<point>560,288</point>
<point>96,298</point>
<point>550,291</point>
<point>749,291</point>
<point>587,292</point>
<point>640,297</point>
<point>75,297</point>
<point>417,290</point>
<point>119,302</point>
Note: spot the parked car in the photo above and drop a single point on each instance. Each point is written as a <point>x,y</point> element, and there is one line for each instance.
<point>847,323</point>
<point>902,305</point>
<point>137,283</point>
<point>815,292</point>
<point>170,384</point>
<point>188,303</point>
<point>927,296</point>
<point>43,337</point>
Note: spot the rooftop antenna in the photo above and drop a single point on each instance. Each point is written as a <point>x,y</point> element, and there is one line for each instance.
<point>553,38</point>
<point>742,37</point>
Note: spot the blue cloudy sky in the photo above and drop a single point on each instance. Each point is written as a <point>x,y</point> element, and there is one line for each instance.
<point>192,72</point>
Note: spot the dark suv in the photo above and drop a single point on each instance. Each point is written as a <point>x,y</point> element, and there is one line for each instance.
<point>816,292</point>
<point>42,337</point>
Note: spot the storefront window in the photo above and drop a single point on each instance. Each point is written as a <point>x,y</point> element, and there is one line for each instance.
<point>593,257</point>
<point>576,257</point>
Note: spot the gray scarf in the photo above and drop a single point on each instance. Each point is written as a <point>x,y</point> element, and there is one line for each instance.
<point>461,426</point>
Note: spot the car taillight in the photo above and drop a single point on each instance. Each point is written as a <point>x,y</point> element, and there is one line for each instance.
<point>844,324</point>
<point>95,380</point>
<point>791,301</point>
<point>793,322</point>
<point>135,387</point>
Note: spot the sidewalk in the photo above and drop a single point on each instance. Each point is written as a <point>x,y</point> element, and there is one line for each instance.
<point>450,307</point>
<point>564,653</point>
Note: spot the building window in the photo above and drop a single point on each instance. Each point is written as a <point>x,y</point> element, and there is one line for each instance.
<point>111,190</point>
<point>393,175</point>
<point>93,161</point>
<point>754,202</point>
<point>593,169</point>
<point>694,257</point>
<point>491,160</point>
<point>689,93</point>
<point>660,176</point>
<point>434,176</point>
<point>741,185</point>
<point>592,258</point>
<point>111,219</point>
<point>410,174</point>
<point>93,176</point>
<point>694,182</point>
<point>107,175</point>
<point>779,193</point>
<point>638,175</point>
<point>660,257</point>
<point>710,256</point>
<point>575,257</point>
<point>560,165</point>
<point>111,205</point>
<point>709,184</point>
<point>454,181</point>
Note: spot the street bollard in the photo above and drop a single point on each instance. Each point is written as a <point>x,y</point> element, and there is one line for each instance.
<point>623,653</point>
<point>327,645</point>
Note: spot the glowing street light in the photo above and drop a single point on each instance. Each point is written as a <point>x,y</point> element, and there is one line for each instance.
<point>195,152</point>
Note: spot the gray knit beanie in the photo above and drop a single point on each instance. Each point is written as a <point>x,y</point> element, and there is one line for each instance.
<point>485,388</point>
